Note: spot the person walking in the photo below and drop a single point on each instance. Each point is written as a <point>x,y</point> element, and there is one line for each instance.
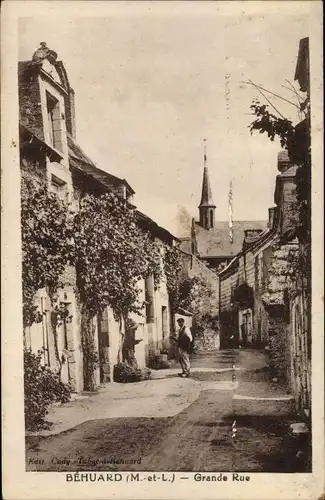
<point>184,343</point>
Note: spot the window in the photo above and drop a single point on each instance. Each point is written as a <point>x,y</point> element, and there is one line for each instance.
<point>206,220</point>
<point>54,121</point>
<point>59,187</point>
<point>211,219</point>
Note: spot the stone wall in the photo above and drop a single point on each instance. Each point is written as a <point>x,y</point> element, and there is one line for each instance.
<point>30,108</point>
<point>279,353</point>
<point>300,345</point>
<point>276,302</point>
<point>210,340</point>
<point>288,209</point>
<point>194,267</point>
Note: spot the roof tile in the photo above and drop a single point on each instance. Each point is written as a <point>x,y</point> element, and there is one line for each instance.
<point>216,242</point>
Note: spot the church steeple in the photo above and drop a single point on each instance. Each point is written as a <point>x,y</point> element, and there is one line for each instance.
<point>206,207</point>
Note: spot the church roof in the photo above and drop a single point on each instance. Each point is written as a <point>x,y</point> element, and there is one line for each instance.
<point>206,198</point>
<point>216,242</point>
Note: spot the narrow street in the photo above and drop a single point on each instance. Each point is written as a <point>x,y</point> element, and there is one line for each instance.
<point>174,424</point>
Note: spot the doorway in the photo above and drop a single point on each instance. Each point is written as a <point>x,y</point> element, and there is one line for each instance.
<point>164,319</point>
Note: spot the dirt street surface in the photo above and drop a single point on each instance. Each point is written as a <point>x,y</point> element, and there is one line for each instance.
<point>174,424</point>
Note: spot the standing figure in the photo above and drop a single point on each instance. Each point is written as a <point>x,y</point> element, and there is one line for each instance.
<point>128,349</point>
<point>184,343</point>
<point>244,334</point>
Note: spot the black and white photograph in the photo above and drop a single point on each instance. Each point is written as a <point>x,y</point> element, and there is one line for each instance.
<point>166,237</point>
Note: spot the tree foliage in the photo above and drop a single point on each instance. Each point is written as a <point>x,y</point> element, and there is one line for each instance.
<point>193,294</point>
<point>199,297</point>
<point>42,388</point>
<point>296,140</point>
<point>271,124</point>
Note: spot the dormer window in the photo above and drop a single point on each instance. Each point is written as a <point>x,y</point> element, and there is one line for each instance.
<point>54,122</point>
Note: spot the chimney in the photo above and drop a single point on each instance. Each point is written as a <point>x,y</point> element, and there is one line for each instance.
<point>252,233</point>
<point>251,236</point>
<point>71,113</point>
<point>283,160</point>
<point>271,217</point>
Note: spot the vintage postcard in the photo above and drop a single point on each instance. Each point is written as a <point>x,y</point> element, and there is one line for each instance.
<point>162,243</point>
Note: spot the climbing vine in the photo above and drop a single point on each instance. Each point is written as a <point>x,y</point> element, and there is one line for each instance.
<point>172,267</point>
<point>112,254</point>
<point>47,244</point>
<point>59,315</point>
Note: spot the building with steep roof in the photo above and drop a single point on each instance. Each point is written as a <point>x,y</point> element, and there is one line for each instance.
<point>50,156</point>
<point>216,242</point>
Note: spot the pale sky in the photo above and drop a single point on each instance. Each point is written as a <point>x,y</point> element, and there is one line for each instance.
<point>150,84</point>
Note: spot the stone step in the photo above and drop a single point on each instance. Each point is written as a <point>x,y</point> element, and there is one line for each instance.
<point>266,406</point>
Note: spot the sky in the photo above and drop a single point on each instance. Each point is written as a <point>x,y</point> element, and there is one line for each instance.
<point>151,83</point>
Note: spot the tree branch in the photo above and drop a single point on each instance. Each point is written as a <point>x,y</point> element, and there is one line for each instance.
<point>259,88</point>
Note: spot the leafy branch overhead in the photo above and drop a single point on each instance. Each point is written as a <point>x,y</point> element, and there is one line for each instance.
<point>271,124</point>
<point>296,140</point>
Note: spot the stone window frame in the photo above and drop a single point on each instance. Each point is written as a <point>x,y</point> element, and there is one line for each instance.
<point>54,121</point>
<point>59,187</point>
<point>59,176</point>
<point>57,138</point>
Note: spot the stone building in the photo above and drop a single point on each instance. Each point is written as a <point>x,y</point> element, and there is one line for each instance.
<point>301,289</point>
<point>265,291</point>
<point>246,284</point>
<point>50,155</point>
<point>262,300</point>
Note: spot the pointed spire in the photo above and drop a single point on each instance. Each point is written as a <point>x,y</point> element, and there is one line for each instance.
<point>206,207</point>
<point>206,197</point>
